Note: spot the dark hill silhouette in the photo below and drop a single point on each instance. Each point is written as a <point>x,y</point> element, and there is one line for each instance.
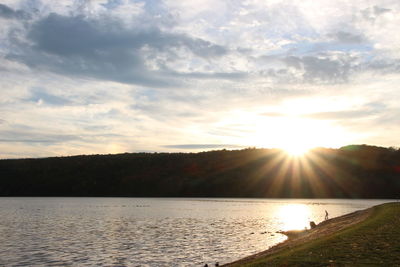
<point>356,171</point>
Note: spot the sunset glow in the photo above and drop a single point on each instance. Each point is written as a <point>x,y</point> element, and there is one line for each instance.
<point>295,135</point>
<point>297,150</point>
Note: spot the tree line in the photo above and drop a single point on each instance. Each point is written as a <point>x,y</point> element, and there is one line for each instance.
<point>356,171</point>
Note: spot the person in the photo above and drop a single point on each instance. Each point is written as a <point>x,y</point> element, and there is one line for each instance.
<point>326,215</point>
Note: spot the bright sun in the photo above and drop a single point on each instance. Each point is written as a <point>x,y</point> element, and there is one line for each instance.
<point>297,135</point>
<point>293,133</point>
<point>297,149</point>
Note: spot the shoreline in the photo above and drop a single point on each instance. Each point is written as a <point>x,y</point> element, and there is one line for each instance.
<point>302,237</point>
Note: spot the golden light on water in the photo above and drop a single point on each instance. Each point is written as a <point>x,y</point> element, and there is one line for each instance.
<point>294,216</point>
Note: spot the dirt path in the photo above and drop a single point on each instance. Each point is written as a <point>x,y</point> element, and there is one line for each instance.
<point>323,229</point>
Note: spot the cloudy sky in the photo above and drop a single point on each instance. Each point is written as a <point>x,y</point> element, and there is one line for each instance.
<point>89,77</point>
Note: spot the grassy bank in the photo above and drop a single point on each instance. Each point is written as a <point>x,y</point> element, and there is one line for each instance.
<point>375,241</point>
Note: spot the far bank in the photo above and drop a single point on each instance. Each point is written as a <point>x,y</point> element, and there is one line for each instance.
<point>355,172</point>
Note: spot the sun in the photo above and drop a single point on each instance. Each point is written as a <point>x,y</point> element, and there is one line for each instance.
<point>297,150</point>
<point>298,143</point>
<point>297,135</point>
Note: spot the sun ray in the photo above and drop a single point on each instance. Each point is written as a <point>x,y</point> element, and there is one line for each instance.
<point>275,159</point>
<point>336,175</point>
<point>296,179</point>
<point>313,180</point>
<point>278,181</point>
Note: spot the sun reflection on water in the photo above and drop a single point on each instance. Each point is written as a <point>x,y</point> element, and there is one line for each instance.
<point>294,216</point>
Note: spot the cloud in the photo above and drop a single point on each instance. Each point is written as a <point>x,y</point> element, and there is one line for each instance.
<point>347,37</point>
<point>368,110</point>
<point>39,95</point>
<point>212,75</point>
<point>78,36</point>
<point>105,49</point>
<point>322,68</point>
<point>9,13</point>
<point>371,13</point>
<point>17,136</point>
<point>340,115</point>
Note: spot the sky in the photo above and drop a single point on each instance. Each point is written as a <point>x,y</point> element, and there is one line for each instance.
<point>115,76</point>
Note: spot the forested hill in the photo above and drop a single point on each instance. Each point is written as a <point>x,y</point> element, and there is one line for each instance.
<point>357,171</point>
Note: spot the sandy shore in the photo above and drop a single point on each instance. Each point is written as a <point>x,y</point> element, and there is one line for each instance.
<point>300,237</point>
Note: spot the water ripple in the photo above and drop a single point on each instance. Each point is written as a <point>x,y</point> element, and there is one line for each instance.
<point>142,231</point>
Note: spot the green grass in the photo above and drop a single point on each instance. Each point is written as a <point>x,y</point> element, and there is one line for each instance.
<point>373,242</point>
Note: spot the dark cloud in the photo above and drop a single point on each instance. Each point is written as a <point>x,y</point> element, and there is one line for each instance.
<point>28,141</point>
<point>372,13</point>
<point>317,67</point>
<point>380,10</point>
<point>9,13</point>
<point>27,134</point>
<point>18,136</point>
<point>322,68</point>
<point>77,36</point>
<point>103,49</point>
<point>216,75</point>
<point>347,37</point>
<point>384,66</point>
<point>202,146</point>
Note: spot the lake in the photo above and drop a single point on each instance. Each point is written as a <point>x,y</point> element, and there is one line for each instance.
<point>152,231</point>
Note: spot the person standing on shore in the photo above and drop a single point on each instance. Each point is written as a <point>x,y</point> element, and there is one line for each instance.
<point>326,215</point>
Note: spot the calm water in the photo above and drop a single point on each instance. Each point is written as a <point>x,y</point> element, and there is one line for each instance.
<point>151,231</point>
